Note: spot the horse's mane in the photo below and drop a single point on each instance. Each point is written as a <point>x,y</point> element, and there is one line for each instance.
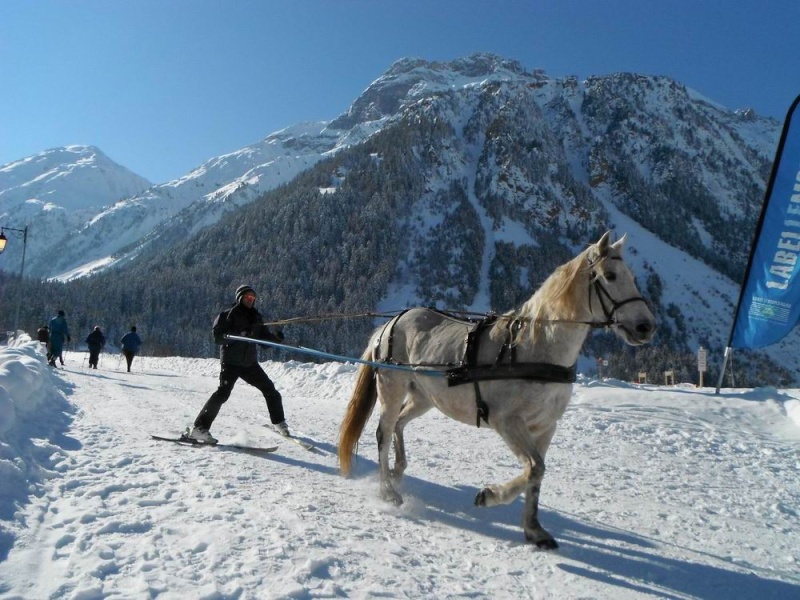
<point>562,297</point>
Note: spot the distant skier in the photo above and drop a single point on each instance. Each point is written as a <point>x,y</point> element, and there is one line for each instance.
<point>240,359</point>
<point>95,341</point>
<point>43,334</point>
<point>131,343</point>
<point>59,333</point>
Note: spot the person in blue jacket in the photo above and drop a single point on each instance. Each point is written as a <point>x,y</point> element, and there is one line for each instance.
<point>131,343</point>
<point>59,333</point>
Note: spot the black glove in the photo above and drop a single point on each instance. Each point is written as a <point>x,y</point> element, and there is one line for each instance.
<point>279,333</point>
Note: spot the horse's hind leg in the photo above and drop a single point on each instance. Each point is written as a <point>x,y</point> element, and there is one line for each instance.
<point>415,406</point>
<point>390,392</point>
<point>519,439</point>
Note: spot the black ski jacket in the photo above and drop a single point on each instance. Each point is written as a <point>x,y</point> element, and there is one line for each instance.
<point>95,340</point>
<point>246,322</point>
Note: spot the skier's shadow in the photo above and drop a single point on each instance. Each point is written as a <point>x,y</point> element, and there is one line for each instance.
<point>288,460</point>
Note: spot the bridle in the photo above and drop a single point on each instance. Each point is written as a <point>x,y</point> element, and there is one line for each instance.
<point>605,299</point>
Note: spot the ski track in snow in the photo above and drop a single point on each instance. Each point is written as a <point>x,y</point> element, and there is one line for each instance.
<point>651,492</point>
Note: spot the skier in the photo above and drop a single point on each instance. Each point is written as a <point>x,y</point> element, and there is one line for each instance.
<point>240,359</point>
<point>43,334</point>
<point>131,342</point>
<point>95,341</point>
<point>59,332</point>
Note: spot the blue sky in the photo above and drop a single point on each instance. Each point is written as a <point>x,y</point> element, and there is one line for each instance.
<point>161,86</point>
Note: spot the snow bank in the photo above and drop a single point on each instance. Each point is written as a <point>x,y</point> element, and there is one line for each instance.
<point>33,417</point>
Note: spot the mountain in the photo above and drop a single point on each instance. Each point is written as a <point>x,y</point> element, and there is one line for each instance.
<point>108,234</point>
<point>97,235</point>
<point>56,192</point>
<point>72,178</point>
<point>461,185</point>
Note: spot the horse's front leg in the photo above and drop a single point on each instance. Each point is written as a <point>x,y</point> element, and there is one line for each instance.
<point>519,439</point>
<point>534,532</point>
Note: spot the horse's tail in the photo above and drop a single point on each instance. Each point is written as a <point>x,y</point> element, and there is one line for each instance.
<point>361,405</point>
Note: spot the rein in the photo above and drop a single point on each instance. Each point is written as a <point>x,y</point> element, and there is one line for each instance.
<point>420,369</point>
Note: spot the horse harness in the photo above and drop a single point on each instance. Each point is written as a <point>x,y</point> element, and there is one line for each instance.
<point>467,370</point>
<point>505,365</point>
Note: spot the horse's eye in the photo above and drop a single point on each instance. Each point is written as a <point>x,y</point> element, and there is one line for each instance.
<point>610,276</point>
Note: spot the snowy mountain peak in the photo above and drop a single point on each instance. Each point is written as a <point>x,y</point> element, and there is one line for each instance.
<point>480,64</point>
<point>409,78</point>
<point>55,192</point>
<point>72,177</point>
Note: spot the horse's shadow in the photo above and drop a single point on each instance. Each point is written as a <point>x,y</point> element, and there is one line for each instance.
<point>649,572</point>
<point>596,551</point>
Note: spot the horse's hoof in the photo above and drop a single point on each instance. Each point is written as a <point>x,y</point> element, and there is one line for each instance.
<point>392,497</point>
<point>543,543</point>
<point>547,545</point>
<point>482,498</point>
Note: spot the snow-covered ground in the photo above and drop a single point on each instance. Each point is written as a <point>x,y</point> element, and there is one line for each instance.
<point>652,492</point>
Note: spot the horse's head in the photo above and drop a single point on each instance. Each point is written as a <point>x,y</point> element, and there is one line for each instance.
<point>614,299</point>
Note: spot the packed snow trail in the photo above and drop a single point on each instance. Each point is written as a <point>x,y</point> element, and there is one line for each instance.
<point>651,492</point>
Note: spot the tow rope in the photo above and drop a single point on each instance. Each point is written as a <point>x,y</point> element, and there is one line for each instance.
<point>339,358</point>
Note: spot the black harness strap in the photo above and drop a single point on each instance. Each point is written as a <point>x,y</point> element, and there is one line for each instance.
<point>469,371</point>
<point>509,347</point>
<point>389,343</point>
<point>468,363</point>
<point>472,341</point>
<point>480,404</point>
<point>529,371</point>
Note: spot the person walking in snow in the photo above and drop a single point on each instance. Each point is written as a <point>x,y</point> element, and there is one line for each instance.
<point>240,360</point>
<point>95,341</point>
<point>59,333</point>
<point>131,343</point>
<point>43,334</point>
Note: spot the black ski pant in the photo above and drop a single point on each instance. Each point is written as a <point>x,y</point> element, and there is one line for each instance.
<point>255,376</point>
<point>129,354</point>
<point>94,357</point>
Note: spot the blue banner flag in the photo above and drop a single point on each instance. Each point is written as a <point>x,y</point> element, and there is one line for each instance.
<point>769,301</point>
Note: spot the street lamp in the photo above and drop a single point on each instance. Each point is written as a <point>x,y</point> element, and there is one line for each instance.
<point>23,233</point>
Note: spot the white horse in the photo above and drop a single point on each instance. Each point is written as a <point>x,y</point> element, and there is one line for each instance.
<point>524,361</point>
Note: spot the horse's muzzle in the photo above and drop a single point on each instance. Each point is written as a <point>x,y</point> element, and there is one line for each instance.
<point>642,332</point>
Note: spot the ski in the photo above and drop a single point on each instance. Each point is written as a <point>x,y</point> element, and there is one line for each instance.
<point>185,441</point>
<point>305,445</point>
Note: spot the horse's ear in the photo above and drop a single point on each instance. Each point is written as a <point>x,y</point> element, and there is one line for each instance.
<point>619,243</point>
<point>602,245</point>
